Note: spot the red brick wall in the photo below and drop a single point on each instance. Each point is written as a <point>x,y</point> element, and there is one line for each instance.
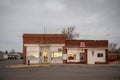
<point>59,39</point>
<point>113,57</point>
<point>44,39</point>
<point>24,55</point>
<point>65,52</point>
<point>88,43</point>
<point>86,60</point>
<point>107,56</point>
<point>41,39</point>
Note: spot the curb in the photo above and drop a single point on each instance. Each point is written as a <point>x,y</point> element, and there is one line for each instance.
<point>27,66</point>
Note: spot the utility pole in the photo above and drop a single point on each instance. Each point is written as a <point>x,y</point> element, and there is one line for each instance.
<point>44,34</point>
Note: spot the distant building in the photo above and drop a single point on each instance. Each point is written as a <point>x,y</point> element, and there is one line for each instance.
<point>5,56</point>
<point>15,55</point>
<point>1,55</point>
<point>54,48</point>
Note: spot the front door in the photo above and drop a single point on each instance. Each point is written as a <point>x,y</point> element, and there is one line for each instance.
<point>45,57</point>
<point>82,57</point>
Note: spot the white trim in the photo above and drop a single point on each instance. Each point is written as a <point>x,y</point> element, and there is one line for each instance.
<point>31,45</point>
<point>44,45</point>
<point>88,48</point>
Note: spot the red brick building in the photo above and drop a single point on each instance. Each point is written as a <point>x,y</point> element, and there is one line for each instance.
<point>54,48</point>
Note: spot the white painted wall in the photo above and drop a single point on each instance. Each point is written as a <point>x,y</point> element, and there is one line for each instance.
<point>100,59</point>
<point>93,58</point>
<point>64,56</point>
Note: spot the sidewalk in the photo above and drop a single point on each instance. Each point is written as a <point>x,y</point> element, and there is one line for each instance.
<point>87,65</point>
<point>27,66</point>
<point>63,65</point>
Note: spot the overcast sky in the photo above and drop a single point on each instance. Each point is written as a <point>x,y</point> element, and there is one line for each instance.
<point>93,19</point>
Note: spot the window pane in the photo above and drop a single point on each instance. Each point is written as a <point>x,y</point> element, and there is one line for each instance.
<point>71,56</point>
<point>56,57</point>
<point>99,55</point>
<point>33,57</point>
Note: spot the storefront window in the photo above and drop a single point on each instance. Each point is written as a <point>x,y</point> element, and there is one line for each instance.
<point>33,57</point>
<point>56,57</point>
<point>71,56</point>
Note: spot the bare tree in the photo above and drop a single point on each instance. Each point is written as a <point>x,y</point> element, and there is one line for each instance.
<point>112,47</point>
<point>6,52</point>
<point>70,34</point>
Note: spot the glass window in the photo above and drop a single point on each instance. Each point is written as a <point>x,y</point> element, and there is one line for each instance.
<point>45,55</point>
<point>56,57</point>
<point>100,55</point>
<point>33,57</point>
<point>56,54</point>
<point>71,56</point>
<point>82,50</point>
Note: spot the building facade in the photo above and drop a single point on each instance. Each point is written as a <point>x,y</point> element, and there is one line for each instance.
<point>54,48</point>
<point>1,55</point>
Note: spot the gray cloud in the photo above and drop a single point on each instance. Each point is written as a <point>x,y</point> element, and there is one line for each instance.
<point>94,19</point>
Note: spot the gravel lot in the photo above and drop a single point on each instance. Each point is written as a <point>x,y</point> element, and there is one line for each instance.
<point>59,72</point>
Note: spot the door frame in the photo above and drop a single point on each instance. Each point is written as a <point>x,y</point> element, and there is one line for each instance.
<point>45,55</point>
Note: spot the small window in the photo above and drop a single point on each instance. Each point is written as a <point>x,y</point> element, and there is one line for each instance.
<point>100,55</point>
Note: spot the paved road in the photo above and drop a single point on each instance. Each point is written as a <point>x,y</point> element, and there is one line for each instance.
<point>59,72</point>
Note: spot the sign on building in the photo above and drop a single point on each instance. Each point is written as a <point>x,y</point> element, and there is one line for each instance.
<point>82,44</point>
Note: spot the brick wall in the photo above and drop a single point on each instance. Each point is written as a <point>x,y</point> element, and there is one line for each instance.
<point>41,39</point>
<point>59,39</point>
<point>88,43</point>
<point>44,39</point>
<point>113,57</point>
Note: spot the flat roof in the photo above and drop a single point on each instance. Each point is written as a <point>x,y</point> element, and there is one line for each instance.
<point>44,35</point>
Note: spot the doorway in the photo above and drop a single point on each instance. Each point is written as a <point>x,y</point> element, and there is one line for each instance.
<point>45,57</point>
<point>82,57</point>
